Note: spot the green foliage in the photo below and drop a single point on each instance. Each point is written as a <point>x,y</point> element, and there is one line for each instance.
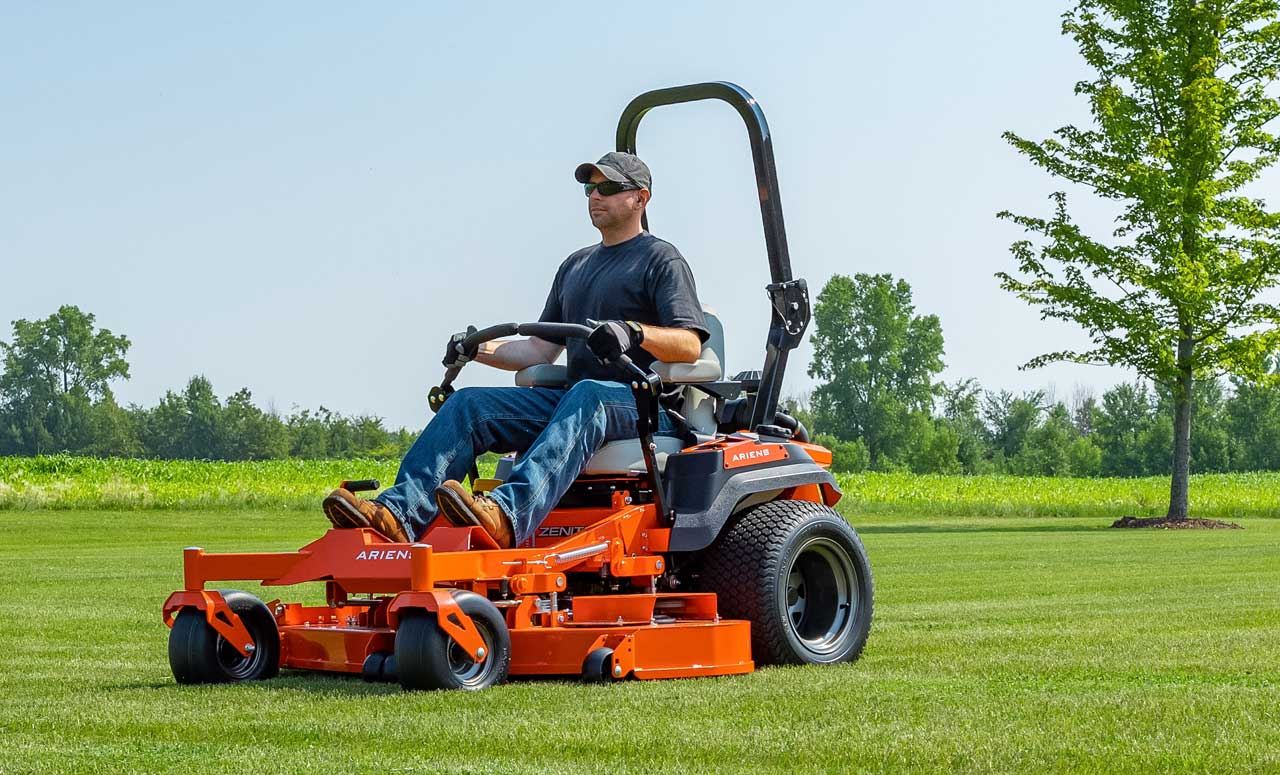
<point>65,482</point>
<point>936,448</point>
<point>1180,103</point>
<point>960,410</point>
<point>54,371</point>
<point>1083,457</point>
<point>846,456</point>
<point>876,361</point>
<point>1009,420</point>
<point>1253,420</point>
<point>1047,448</point>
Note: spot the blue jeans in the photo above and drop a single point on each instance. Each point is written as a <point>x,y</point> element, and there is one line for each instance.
<point>556,430</point>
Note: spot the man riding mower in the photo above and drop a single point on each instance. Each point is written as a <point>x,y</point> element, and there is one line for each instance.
<point>657,521</point>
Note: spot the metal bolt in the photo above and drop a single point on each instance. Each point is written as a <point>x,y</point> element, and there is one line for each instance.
<point>251,648</point>
<point>559,581</point>
<point>480,652</point>
<point>617,671</point>
<point>658,565</point>
<point>560,618</point>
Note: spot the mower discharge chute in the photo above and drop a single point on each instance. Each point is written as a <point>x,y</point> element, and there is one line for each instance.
<point>665,559</point>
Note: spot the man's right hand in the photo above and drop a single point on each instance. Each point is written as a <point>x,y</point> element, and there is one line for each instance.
<point>456,353</point>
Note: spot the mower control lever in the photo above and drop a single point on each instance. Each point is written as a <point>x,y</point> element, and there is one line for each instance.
<point>360,485</point>
<point>551,331</point>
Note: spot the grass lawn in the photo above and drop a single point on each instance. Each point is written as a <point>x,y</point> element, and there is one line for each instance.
<point>999,644</point>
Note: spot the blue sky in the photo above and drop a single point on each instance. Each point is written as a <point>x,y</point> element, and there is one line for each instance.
<point>306,199</point>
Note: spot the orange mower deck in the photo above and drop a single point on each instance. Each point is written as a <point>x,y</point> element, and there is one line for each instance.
<point>647,634</point>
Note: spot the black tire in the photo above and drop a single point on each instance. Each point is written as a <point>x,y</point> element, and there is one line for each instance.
<point>596,668</point>
<point>798,571</point>
<point>199,655</point>
<point>371,670</point>
<point>427,658</point>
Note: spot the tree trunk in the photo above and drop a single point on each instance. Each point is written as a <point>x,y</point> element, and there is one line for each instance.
<point>1181,433</point>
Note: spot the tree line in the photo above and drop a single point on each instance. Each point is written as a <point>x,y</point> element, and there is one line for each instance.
<point>878,406</point>
<point>55,396</point>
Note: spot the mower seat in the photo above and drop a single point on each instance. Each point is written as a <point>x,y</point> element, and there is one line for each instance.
<point>625,457</point>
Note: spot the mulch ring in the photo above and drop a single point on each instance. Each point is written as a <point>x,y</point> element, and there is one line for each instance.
<point>1168,523</point>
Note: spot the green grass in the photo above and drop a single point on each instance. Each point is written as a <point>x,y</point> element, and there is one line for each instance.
<point>999,645</point>
<point>1216,496</point>
<point>61,482</point>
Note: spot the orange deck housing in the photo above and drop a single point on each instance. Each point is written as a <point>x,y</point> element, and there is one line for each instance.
<point>652,634</point>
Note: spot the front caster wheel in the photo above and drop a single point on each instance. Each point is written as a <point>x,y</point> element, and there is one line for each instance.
<point>427,658</point>
<point>199,655</point>
<point>597,666</point>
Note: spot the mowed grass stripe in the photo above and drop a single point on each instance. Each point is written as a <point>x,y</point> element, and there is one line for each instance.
<point>1010,645</point>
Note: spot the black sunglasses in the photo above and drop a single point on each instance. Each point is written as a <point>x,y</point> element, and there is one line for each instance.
<point>609,187</point>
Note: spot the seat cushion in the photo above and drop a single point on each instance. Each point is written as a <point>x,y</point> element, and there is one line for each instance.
<point>617,457</point>
<point>626,456</point>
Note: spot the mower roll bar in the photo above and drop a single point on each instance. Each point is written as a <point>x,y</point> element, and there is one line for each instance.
<point>788,296</point>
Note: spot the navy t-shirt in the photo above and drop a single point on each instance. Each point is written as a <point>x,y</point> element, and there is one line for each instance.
<point>644,279</point>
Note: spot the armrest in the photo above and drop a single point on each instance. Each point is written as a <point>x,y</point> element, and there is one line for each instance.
<point>543,375</point>
<point>705,369</point>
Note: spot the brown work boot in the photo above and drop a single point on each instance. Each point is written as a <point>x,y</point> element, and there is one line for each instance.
<point>347,511</point>
<point>462,508</point>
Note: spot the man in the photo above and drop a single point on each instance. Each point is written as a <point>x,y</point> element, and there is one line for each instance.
<point>642,289</point>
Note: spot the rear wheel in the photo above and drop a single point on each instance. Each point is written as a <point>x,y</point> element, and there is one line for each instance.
<point>798,571</point>
<point>198,654</point>
<point>427,658</point>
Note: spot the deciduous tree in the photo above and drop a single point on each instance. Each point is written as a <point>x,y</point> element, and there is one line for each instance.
<point>1180,104</point>
<point>54,369</point>
<point>876,360</point>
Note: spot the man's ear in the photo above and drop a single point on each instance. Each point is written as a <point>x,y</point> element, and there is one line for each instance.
<point>644,196</point>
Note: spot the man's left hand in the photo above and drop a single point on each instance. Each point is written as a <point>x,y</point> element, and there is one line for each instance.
<point>613,338</point>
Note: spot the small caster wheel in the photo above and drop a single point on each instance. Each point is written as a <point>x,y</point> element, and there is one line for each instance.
<point>199,655</point>
<point>597,667</point>
<point>427,658</point>
<point>371,670</point>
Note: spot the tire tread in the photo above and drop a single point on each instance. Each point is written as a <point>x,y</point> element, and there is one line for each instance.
<point>744,562</point>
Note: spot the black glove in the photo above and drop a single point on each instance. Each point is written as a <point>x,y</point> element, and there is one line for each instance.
<point>613,338</point>
<point>456,353</point>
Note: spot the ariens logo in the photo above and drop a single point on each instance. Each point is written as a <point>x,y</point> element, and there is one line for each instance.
<point>753,454</point>
<point>383,554</point>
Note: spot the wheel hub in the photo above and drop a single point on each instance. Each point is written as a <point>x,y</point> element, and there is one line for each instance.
<point>821,595</point>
